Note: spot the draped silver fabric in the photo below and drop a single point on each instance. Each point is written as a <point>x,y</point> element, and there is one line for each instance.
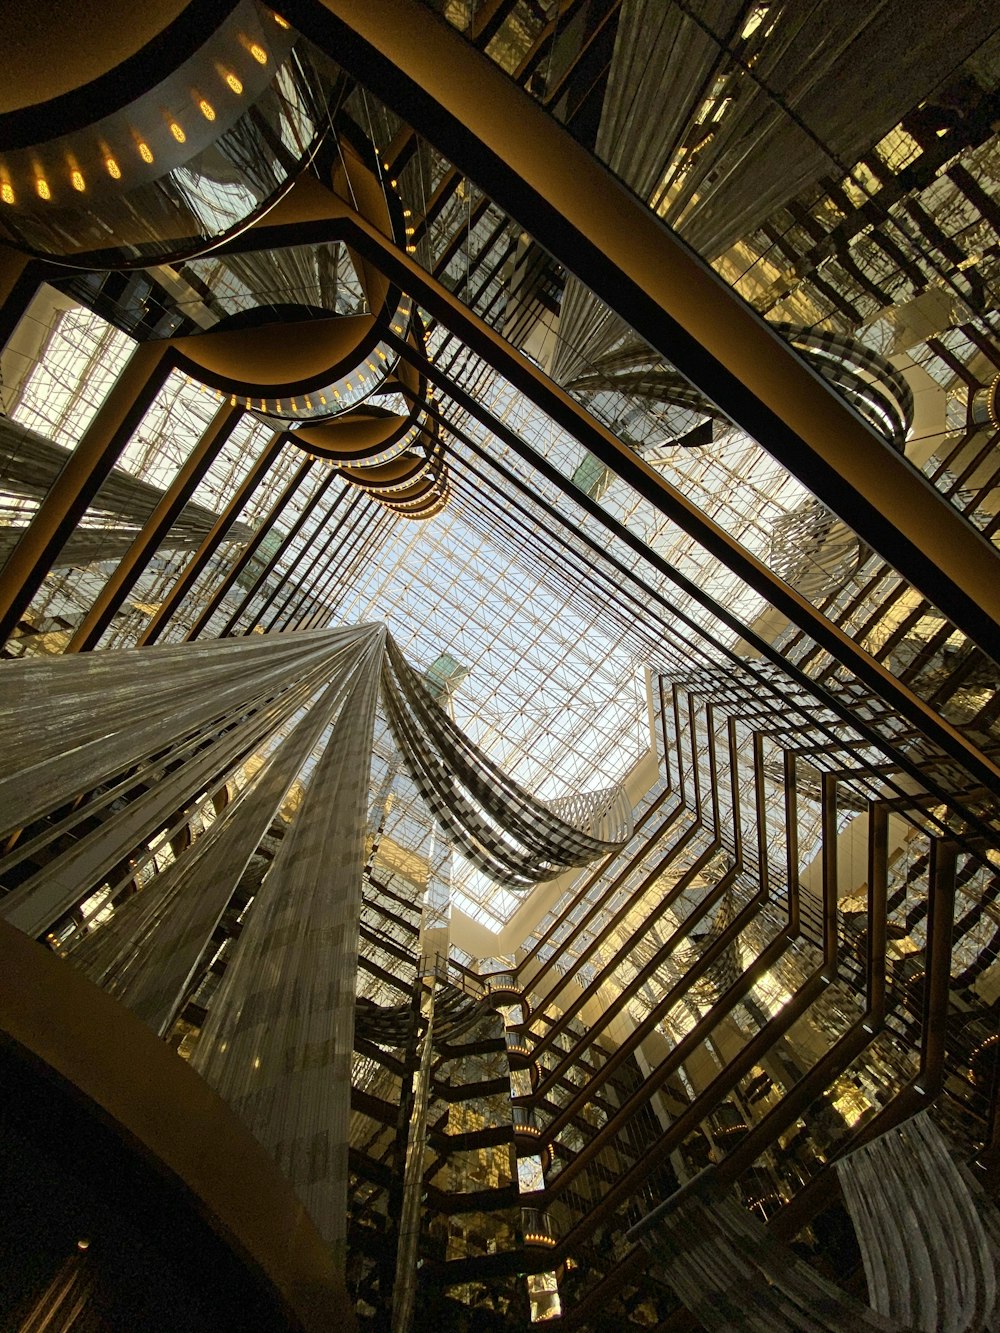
<point>606,814</point>
<point>166,726</point>
<point>871,384</point>
<point>929,1257</point>
<point>734,1277</point>
<point>501,828</point>
<point>277,1043</point>
<point>91,716</point>
<point>30,463</point>
<point>146,954</point>
<point>815,89</point>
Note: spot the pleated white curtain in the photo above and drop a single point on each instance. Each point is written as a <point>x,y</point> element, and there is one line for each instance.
<point>278,1040</point>
<point>147,953</point>
<point>928,1237</point>
<point>734,1277</point>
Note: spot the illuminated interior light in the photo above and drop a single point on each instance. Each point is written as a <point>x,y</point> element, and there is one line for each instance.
<point>232,400</point>
<point>42,186</point>
<point>754,21</point>
<point>114,170</point>
<point>83,1244</point>
<point>407,213</point>
<point>7,192</point>
<point>308,403</point>
<point>145,152</point>
<point>336,393</point>
<point>411,249</point>
<point>177,132</point>
<point>258,53</point>
<point>282,23</point>
<point>234,83</point>
<point>410,231</point>
<point>206,109</point>
<point>350,386</point>
<point>77,181</point>
<point>322,399</point>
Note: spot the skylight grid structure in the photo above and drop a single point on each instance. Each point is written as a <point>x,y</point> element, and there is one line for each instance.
<point>355,319</point>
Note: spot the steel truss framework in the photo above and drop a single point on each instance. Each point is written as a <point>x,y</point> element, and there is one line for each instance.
<point>721,989</point>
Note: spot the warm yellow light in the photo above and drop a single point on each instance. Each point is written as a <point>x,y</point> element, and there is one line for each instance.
<point>322,399</point>
<point>76,177</point>
<point>282,23</point>
<point>407,213</point>
<point>206,109</point>
<point>258,53</point>
<point>177,132</point>
<point>114,170</point>
<point>234,83</point>
<point>145,152</point>
<point>349,386</point>
<point>7,192</point>
<point>308,403</point>
<point>42,186</point>
<point>336,393</point>
<point>410,231</point>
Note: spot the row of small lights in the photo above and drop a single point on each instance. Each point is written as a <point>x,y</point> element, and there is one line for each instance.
<point>407,213</point>
<point>399,447</point>
<point>305,404</point>
<point>398,486</point>
<point>111,163</point>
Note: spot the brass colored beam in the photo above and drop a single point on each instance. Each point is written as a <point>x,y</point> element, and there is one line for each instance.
<point>76,1035</point>
<point>576,208</point>
<point>212,541</point>
<point>87,467</point>
<point>156,527</point>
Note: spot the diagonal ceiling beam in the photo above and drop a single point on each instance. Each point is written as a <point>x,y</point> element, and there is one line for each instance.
<point>572,205</point>
<point>405,272</point>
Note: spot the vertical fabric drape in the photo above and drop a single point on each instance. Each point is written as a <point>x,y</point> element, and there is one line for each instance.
<point>734,1277</point>
<point>146,954</point>
<point>92,715</point>
<point>278,1040</point>
<point>929,1259</point>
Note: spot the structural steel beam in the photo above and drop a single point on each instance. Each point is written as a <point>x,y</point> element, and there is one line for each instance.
<point>212,541</point>
<point>251,549</point>
<point>86,469</point>
<point>575,207</point>
<point>156,527</point>
<point>652,486</point>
